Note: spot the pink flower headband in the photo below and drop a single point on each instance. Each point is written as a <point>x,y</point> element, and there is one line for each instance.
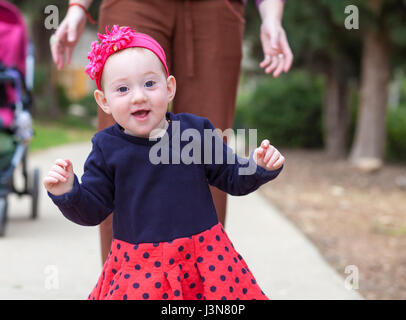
<point>117,39</point>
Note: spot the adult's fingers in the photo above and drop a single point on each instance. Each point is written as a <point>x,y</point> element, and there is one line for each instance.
<point>287,52</point>
<point>279,68</point>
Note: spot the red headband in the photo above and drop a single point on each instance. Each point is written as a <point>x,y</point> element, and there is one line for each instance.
<point>118,39</point>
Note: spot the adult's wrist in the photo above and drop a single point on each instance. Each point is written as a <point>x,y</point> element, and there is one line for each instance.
<point>271,9</point>
<point>85,3</point>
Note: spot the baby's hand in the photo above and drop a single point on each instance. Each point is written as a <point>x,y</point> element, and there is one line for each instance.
<point>268,157</point>
<point>60,178</point>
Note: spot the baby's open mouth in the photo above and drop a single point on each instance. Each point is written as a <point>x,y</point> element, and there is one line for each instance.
<point>141,114</point>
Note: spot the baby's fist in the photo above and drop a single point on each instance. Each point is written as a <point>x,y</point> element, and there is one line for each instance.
<point>268,157</point>
<point>60,178</point>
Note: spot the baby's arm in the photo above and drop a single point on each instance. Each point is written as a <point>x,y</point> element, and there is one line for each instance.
<point>87,203</point>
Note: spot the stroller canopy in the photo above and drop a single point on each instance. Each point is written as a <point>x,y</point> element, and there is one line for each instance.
<point>13,37</point>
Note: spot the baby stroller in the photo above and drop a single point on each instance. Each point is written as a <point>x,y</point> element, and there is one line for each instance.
<point>16,79</point>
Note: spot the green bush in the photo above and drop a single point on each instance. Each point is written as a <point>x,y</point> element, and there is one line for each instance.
<point>396,134</point>
<point>286,110</point>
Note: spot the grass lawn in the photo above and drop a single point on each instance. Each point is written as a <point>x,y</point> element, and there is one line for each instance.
<point>48,135</point>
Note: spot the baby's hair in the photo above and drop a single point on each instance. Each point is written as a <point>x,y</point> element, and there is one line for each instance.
<point>131,48</point>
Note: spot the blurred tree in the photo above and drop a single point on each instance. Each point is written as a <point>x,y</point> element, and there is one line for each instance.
<point>383,39</point>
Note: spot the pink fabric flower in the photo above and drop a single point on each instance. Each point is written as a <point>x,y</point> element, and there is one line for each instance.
<point>117,39</point>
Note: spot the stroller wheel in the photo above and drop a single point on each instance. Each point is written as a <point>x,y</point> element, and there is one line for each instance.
<point>35,193</point>
<point>3,216</point>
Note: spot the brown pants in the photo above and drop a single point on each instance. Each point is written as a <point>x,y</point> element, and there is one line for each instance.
<point>202,40</point>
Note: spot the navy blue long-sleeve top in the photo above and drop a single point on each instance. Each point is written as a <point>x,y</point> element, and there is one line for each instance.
<point>152,201</point>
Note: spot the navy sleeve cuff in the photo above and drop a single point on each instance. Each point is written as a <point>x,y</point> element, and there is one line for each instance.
<point>69,198</point>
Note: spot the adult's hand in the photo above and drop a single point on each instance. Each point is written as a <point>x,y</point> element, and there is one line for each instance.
<point>278,56</point>
<point>67,36</point>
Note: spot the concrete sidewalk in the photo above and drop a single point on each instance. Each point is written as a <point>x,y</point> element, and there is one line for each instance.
<point>52,258</point>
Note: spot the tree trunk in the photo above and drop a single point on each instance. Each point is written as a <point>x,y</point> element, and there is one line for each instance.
<point>370,132</point>
<point>336,113</point>
<point>40,37</point>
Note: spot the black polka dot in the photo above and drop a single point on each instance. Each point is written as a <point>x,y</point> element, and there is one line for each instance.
<point>180,248</point>
<point>212,268</point>
<point>237,280</point>
<point>146,255</point>
<point>231,289</point>
<point>244,290</point>
<point>171,261</point>
<point>157,285</point>
<point>226,248</point>
<point>253,281</point>
<point>201,239</point>
<point>176,293</point>
<point>218,238</point>
<point>220,257</point>
<point>243,271</point>
<point>136,285</point>
<point>187,256</point>
<point>118,246</point>
<point>199,259</point>
<point>137,267</point>
<point>155,244</point>
<point>114,271</point>
<point>223,298</point>
<point>199,296</point>
<point>126,276</point>
<point>135,247</point>
<point>157,264</point>
<point>209,248</point>
<point>165,296</point>
<point>145,295</point>
<point>147,275</point>
<point>192,285</point>
<point>230,268</point>
<point>213,289</point>
<point>223,277</point>
<point>186,275</point>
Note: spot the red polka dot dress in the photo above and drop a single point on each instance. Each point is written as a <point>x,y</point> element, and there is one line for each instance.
<point>203,266</point>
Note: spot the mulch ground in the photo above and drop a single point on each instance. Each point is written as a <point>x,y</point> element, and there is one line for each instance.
<point>353,218</point>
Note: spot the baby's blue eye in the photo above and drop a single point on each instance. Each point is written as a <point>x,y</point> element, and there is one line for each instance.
<point>149,84</point>
<point>123,89</point>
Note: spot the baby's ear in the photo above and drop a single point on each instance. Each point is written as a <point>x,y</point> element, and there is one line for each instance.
<point>101,101</point>
<point>171,85</point>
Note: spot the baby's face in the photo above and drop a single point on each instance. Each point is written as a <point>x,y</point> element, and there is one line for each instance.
<point>136,91</point>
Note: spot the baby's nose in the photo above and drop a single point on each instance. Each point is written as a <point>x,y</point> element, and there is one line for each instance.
<point>138,95</point>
